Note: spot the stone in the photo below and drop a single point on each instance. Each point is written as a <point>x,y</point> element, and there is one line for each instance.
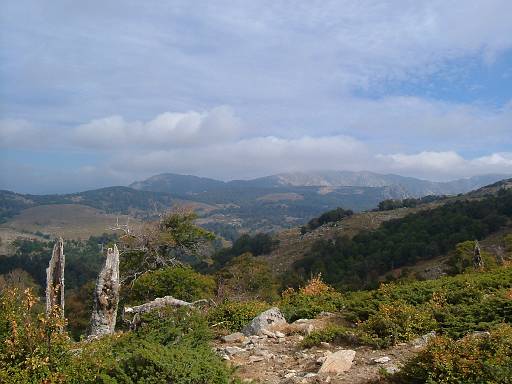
<point>265,320</point>
<point>382,360</point>
<point>254,358</point>
<point>422,341</point>
<point>392,369</point>
<point>268,333</point>
<point>325,345</point>
<point>233,350</point>
<point>338,362</point>
<point>234,337</point>
<point>280,334</point>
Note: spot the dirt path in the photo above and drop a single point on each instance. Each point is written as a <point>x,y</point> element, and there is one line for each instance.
<point>264,359</point>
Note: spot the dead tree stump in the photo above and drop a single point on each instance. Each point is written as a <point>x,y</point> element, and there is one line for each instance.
<point>478,262</point>
<point>106,296</point>
<point>55,280</point>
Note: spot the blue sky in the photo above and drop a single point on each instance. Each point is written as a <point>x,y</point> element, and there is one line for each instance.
<point>101,93</point>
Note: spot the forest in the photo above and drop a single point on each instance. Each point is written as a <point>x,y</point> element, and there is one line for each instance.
<point>358,262</point>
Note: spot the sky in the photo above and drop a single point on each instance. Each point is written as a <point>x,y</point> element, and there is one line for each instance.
<point>100,93</point>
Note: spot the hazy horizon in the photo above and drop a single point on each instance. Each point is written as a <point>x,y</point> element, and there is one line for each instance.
<point>106,93</point>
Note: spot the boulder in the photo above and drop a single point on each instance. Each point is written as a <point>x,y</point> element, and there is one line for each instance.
<point>422,341</point>
<point>264,321</point>
<point>233,338</point>
<point>382,360</point>
<point>338,362</point>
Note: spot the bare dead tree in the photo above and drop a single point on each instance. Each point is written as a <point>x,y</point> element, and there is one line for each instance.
<point>106,296</point>
<point>160,243</point>
<point>160,302</point>
<point>55,280</point>
<point>478,262</point>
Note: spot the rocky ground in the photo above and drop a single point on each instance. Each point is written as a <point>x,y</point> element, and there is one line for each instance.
<point>277,357</point>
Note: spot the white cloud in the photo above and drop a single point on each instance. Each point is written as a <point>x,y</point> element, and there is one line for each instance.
<point>19,133</point>
<point>167,130</point>
<point>445,165</point>
<point>250,157</point>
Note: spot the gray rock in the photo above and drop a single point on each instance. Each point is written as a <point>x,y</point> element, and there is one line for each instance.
<point>233,338</point>
<point>264,321</point>
<point>280,334</point>
<point>233,350</point>
<point>338,362</point>
<point>382,360</point>
<point>392,369</point>
<point>254,358</point>
<point>422,341</point>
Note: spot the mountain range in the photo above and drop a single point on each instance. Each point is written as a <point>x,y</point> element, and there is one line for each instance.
<point>267,204</point>
<point>410,186</point>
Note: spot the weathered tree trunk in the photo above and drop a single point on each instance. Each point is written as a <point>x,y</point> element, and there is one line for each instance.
<point>106,296</point>
<point>478,262</point>
<point>55,280</point>
<point>160,302</point>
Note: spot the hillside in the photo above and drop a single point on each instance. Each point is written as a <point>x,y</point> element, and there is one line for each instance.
<point>360,249</point>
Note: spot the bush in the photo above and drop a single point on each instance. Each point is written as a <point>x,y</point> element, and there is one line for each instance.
<point>330,334</point>
<point>171,347</point>
<point>471,360</point>
<point>398,322</point>
<point>180,282</point>
<point>315,297</point>
<point>234,315</point>
<point>246,277</point>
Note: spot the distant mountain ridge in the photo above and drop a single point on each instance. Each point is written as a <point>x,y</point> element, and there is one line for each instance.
<point>259,205</point>
<point>409,186</point>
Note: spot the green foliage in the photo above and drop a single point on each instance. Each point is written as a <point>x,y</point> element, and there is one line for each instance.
<point>234,315</point>
<point>259,244</point>
<point>181,282</point>
<point>474,359</point>
<point>83,259</point>
<point>358,262</point>
<point>32,346</point>
<point>390,204</point>
<point>170,347</point>
<point>397,322</point>
<point>459,304</point>
<point>462,258</point>
<point>246,277</point>
<point>327,217</point>
<point>174,237</point>
<point>301,305</point>
<point>330,334</point>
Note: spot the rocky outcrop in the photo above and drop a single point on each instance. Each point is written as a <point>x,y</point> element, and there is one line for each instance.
<point>55,280</point>
<point>338,362</point>
<point>265,321</point>
<point>106,296</point>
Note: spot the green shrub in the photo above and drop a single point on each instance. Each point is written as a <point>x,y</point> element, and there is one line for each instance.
<point>234,315</point>
<point>169,348</point>
<point>474,359</point>
<point>330,334</point>
<point>180,282</point>
<point>246,277</point>
<point>299,305</point>
<point>398,322</point>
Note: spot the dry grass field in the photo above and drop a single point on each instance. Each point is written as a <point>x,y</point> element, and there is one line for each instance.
<point>71,221</point>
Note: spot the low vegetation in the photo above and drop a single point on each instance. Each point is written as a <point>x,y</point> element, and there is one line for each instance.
<point>358,262</point>
<point>325,218</point>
